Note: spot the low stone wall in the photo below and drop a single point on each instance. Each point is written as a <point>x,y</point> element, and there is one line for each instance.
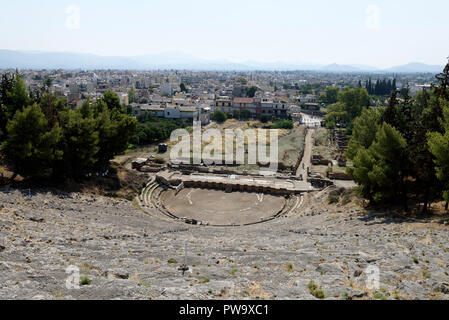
<point>339,176</point>
<point>316,113</point>
<point>226,169</point>
<point>180,187</point>
<point>190,168</point>
<point>166,179</point>
<point>318,160</point>
<point>298,163</point>
<point>301,154</point>
<point>152,168</point>
<point>320,183</point>
<point>236,187</point>
<point>147,165</point>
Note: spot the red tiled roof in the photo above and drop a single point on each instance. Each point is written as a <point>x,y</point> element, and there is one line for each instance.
<point>244,100</point>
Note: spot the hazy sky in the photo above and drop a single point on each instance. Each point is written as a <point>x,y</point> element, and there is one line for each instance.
<point>381,33</point>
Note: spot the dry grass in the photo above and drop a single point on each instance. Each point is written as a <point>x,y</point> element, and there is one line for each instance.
<point>321,137</point>
<point>120,183</point>
<point>291,144</point>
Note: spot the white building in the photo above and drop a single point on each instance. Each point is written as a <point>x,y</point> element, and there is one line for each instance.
<point>166,89</point>
<point>124,99</point>
<point>205,114</point>
<point>275,107</point>
<point>183,113</point>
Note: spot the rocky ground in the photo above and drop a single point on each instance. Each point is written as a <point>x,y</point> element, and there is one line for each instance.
<point>322,251</point>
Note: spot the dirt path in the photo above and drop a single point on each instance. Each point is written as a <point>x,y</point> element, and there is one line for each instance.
<point>306,160</point>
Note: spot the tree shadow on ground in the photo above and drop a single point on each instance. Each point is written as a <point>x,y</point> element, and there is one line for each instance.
<point>376,215</point>
<point>119,183</point>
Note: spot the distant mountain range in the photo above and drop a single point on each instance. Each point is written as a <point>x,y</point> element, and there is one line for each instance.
<point>417,67</point>
<point>173,60</point>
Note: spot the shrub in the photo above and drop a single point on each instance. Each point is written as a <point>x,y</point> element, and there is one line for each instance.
<point>346,199</point>
<point>85,281</point>
<point>219,116</point>
<point>333,199</point>
<point>315,290</point>
<point>159,160</point>
<point>264,118</point>
<point>379,296</point>
<point>245,114</point>
<point>334,196</point>
<point>144,284</point>
<point>283,124</point>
